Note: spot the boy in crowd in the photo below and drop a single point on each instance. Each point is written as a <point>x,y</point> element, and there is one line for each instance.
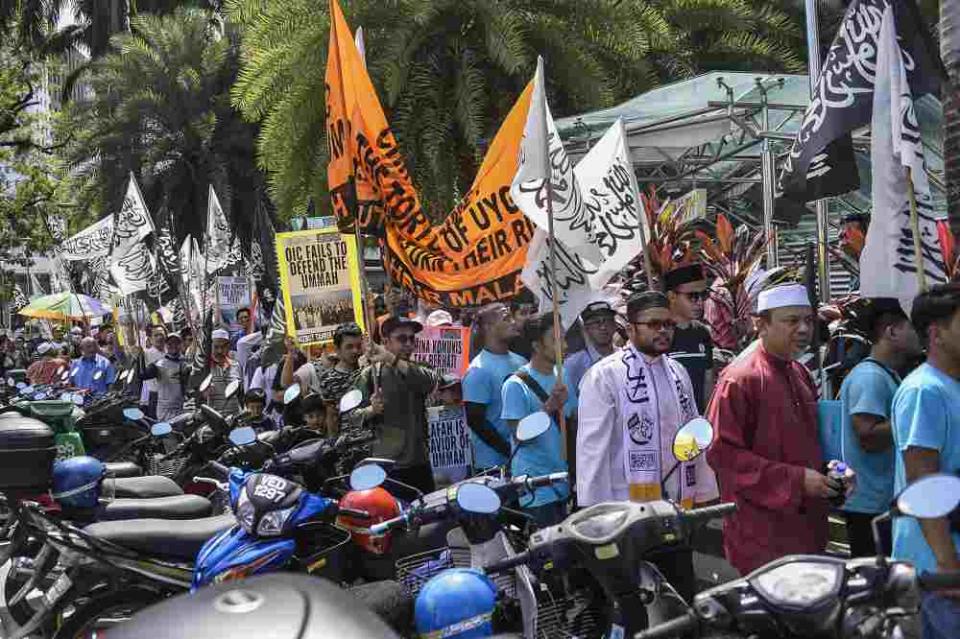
<point>253,404</point>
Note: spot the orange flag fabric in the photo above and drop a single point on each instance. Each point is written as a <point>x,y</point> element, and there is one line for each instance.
<point>476,255</point>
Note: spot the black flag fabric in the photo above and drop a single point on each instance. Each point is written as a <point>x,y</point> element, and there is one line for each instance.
<point>820,162</point>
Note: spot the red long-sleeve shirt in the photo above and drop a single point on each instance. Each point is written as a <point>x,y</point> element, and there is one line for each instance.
<point>765,412</point>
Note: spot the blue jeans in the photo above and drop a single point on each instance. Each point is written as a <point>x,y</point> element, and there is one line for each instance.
<point>940,617</point>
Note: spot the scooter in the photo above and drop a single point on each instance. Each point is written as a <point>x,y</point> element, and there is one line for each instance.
<point>828,597</point>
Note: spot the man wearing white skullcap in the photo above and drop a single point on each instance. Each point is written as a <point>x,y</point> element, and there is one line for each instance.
<point>767,455</point>
<point>224,370</point>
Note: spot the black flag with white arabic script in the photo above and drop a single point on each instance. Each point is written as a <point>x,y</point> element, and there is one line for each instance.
<point>819,163</point>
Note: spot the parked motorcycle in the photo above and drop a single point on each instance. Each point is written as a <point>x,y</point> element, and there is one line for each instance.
<point>820,596</point>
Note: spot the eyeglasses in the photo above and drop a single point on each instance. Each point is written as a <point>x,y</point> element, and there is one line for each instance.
<point>695,296</point>
<point>602,321</point>
<point>658,325</point>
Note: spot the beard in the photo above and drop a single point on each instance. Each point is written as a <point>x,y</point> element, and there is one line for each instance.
<point>652,350</point>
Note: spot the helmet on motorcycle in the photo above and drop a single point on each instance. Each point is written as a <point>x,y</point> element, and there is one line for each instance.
<point>77,481</point>
<point>381,506</point>
<point>458,602</point>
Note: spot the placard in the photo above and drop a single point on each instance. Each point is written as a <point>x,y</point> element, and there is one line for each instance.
<point>320,282</point>
<point>450,452</point>
<point>444,349</point>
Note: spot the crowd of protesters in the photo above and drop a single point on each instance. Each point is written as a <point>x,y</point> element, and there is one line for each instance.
<point>633,375</point>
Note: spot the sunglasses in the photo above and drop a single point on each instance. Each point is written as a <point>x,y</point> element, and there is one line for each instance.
<point>695,296</point>
<point>658,325</point>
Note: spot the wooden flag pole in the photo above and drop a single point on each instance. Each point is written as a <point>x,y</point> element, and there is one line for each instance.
<point>915,231</point>
<point>557,329</point>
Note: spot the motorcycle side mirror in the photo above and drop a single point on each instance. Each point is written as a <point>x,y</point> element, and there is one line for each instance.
<point>161,429</point>
<point>692,440</point>
<point>367,477</point>
<point>97,375</point>
<point>132,414</point>
<point>350,400</point>
<point>532,426</point>
<point>478,499</point>
<point>931,497</point>
<point>205,384</point>
<point>243,436</point>
<point>291,394</point>
<point>231,389</point>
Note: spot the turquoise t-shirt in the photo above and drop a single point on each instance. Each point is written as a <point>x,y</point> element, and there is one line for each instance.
<point>481,385</point>
<point>926,414</point>
<point>869,388</point>
<point>543,455</point>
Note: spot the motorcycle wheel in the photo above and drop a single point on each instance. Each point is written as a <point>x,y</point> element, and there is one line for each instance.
<point>100,613</point>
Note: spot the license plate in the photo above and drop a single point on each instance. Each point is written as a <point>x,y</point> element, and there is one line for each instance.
<point>57,590</point>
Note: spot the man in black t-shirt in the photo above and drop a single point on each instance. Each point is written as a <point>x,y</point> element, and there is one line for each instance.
<point>686,289</point>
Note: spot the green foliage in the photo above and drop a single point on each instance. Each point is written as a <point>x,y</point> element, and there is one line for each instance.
<point>159,106</point>
<point>447,71</point>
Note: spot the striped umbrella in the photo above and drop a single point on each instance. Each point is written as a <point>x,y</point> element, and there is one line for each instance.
<point>65,306</point>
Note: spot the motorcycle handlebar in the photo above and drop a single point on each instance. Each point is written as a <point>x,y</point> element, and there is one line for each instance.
<point>546,480</point>
<point>219,468</point>
<point>939,580</point>
<point>355,514</point>
<point>386,526</point>
<point>673,628</point>
<point>703,515</point>
<point>508,563</point>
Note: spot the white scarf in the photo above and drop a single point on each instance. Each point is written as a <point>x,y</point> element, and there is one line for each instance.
<point>642,465</point>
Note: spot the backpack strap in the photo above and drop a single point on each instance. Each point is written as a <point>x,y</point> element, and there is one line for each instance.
<point>537,389</point>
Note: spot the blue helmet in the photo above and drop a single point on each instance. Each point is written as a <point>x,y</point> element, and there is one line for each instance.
<point>77,481</point>
<point>456,603</point>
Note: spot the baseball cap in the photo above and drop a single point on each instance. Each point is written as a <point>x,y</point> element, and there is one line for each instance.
<point>597,309</point>
<point>439,318</point>
<point>220,334</point>
<point>398,321</point>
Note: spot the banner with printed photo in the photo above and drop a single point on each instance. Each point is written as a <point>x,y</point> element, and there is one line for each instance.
<point>444,349</point>
<point>232,294</point>
<point>450,452</point>
<point>320,281</point>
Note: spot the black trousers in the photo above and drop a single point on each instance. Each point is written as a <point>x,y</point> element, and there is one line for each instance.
<point>860,535</point>
<point>420,477</point>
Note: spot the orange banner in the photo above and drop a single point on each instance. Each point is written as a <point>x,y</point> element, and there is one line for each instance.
<point>475,256</point>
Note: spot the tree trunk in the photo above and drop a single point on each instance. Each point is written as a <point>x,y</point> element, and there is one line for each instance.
<point>950,52</point>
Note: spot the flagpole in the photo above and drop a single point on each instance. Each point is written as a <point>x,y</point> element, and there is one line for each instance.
<point>367,309</point>
<point>915,231</point>
<point>554,294</point>
<point>823,212</point>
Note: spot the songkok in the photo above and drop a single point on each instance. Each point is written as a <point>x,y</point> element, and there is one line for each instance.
<point>439,318</point>
<point>220,334</point>
<point>683,275</point>
<point>783,296</point>
<point>640,302</point>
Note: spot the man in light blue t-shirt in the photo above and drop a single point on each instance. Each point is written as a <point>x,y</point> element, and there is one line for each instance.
<point>531,389</point>
<point>482,384</point>
<point>866,398</point>
<point>926,432</point>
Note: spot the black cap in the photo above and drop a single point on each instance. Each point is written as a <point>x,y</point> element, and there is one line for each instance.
<point>394,322</point>
<point>597,309</point>
<point>683,275</point>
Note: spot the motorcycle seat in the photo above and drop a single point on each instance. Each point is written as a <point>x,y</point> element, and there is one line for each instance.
<point>160,537</point>
<point>173,507</point>
<point>123,469</point>
<point>145,487</point>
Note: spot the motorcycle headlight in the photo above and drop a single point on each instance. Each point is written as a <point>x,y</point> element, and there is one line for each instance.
<point>271,524</point>
<point>799,584</point>
<point>245,512</point>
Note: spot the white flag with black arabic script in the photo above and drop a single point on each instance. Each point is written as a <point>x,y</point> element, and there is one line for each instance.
<point>93,241</point>
<point>887,264</point>
<point>218,250</point>
<point>132,272</point>
<point>542,155</point>
<point>132,223</point>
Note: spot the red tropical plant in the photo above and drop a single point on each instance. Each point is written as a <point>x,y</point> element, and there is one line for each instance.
<point>671,240</point>
<point>948,247</point>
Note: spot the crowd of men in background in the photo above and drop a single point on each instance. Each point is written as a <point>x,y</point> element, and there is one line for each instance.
<point>634,377</point>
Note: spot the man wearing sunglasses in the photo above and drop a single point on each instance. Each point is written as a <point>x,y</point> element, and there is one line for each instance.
<point>397,391</point>
<point>632,403</point>
<point>686,289</point>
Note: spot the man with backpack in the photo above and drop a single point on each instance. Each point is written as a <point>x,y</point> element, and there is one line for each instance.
<point>866,398</point>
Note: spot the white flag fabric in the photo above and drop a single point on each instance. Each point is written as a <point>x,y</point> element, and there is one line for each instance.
<point>609,187</point>
<point>93,241</point>
<point>133,223</point>
<point>217,244</point>
<point>542,155</point>
<point>132,272</point>
<point>887,264</point>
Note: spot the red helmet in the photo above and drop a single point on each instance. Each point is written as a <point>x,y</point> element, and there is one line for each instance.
<point>381,506</point>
